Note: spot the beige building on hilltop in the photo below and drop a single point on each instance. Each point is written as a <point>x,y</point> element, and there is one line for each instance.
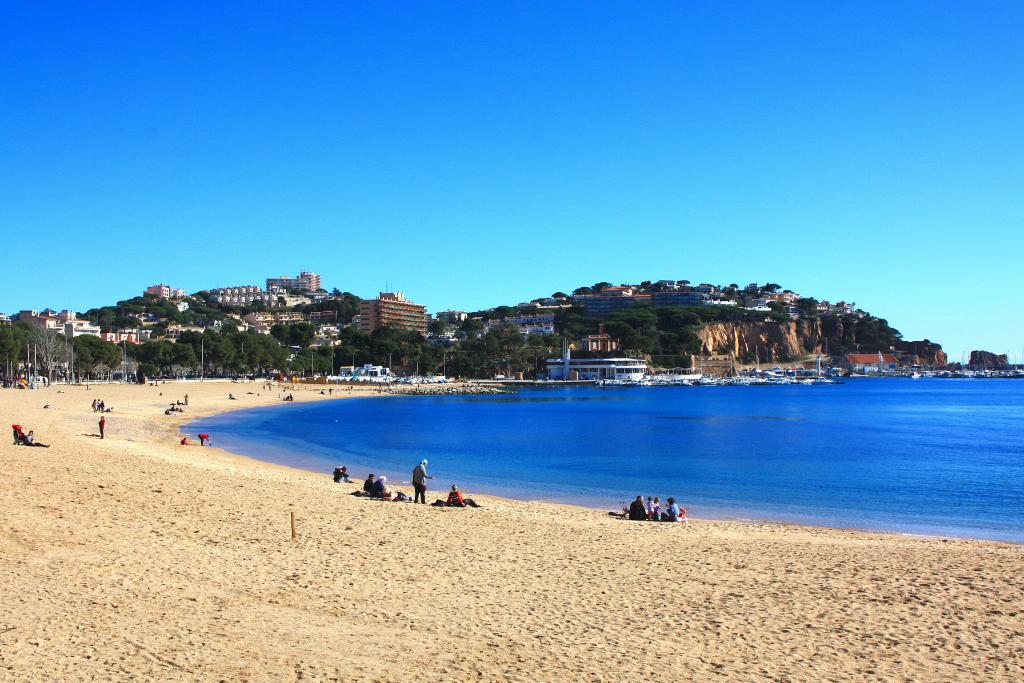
<point>392,308</point>
<point>163,291</point>
<point>304,281</point>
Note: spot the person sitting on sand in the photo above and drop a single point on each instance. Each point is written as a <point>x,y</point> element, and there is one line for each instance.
<point>30,440</point>
<point>455,500</point>
<point>184,441</point>
<point>654,508</point>
<point>380,487</point>
<point>16,429</point>
<point>637,510</point>
<point>672,513</point>
<point>371,481</point>
<point>231,397</point>
<point>341,475</point>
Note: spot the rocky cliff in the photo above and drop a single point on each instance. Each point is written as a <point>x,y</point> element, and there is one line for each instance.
<point>769,341</point>
<point>987,359</point>
<point>792,340</point>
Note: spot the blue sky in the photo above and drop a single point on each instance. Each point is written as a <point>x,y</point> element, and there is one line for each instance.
<point>474,154</point>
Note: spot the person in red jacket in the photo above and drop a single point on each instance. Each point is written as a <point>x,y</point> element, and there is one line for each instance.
<point>455,500</point>
<point>103,424</point>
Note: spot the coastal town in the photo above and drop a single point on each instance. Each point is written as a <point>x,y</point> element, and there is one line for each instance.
<point>653,332</point>
<point>486,342</point>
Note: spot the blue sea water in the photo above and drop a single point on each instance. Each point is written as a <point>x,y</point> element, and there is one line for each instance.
<point>928,456</point>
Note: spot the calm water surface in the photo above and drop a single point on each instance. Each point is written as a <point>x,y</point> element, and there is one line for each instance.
<point>925,456</point>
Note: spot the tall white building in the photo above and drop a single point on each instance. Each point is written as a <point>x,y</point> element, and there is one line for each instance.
<point>304,281</point>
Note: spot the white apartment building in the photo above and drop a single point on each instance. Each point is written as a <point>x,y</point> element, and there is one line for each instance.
<point>244,295</point>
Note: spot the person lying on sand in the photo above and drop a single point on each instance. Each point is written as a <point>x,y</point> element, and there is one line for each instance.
<point>30,440</point>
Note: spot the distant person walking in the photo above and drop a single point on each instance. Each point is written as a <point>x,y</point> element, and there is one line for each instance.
<point>419,482</point>
<point>103,424</point>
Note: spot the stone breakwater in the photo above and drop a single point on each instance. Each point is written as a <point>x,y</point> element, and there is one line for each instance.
<point>442,389</point>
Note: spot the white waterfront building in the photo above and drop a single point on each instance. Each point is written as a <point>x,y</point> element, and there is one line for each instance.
<point>568,368</point>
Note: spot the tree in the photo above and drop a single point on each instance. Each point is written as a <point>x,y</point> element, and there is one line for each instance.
<point>808,307</point>
<point>12,345</point>
<point>48,349</point>
<point>125,322</point>
<point>93,353</point>
<point>158,353</point>
<point>184,356</point>
<point>471,326</point>
<point>147,370</point>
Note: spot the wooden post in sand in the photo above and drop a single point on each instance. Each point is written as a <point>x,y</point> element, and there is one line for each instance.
<point>293,524</point>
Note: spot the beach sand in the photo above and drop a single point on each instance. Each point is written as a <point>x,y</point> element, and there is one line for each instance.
<point>135,558</point>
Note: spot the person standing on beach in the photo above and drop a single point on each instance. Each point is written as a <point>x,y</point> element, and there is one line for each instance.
<point>419,482</point>
<point>103,424</point>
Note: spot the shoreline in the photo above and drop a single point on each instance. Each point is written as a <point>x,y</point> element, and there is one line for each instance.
<point>134,557</point>
<point>538,497</point>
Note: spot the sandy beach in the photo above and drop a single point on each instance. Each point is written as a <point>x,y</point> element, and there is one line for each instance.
<point>135,558</point>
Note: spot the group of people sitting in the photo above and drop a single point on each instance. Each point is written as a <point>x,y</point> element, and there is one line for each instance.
<point>175,408</point>
<point>23,439</point>
<point>652,510</point>
<point>289,397</point>
<point>377,487</point>
<point>98,406</point>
